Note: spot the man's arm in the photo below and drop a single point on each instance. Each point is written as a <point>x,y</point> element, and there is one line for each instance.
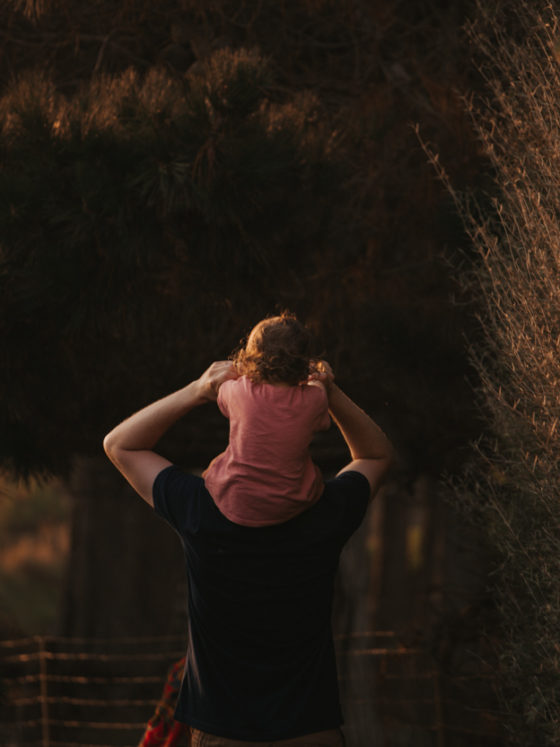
<point>130,445</point>
<point>370,449</point>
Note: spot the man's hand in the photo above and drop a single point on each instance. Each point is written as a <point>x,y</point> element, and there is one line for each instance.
<point>212,379</point>
<point>322,373</point>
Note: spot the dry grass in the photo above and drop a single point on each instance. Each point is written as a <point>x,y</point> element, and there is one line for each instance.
<point>513,488</point>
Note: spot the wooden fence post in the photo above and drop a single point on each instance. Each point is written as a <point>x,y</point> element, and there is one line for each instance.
<point>440,727</point>
<point>43,694</point>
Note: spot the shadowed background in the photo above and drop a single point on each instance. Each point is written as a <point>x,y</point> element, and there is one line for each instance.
<point>170,174</point>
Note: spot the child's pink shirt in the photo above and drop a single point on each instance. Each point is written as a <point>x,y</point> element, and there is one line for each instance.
<point>266,476</point>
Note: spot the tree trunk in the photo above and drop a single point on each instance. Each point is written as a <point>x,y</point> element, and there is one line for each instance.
<point>126,573</point>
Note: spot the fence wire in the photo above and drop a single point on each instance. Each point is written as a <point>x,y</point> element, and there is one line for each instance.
<point>69,692</point>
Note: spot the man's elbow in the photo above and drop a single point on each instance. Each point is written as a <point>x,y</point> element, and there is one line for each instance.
<point>382,455</point>
<point>109,446</point>
<point>389,457</point>
<point>384,461</point>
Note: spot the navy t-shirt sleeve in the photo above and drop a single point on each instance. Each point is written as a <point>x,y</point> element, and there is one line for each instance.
<point>350,492</point>
<point>174,493</point>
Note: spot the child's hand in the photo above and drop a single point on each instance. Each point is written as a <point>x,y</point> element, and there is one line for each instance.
<point>321,373</point>
<point>214,376</point>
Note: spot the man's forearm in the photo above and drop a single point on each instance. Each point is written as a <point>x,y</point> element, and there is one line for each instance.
<point>364,437</point>
<point>130,444</point>
<point>143,430</point>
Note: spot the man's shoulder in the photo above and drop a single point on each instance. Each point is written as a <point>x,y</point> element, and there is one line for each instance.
<point>175,477</point>
<point>175,494</point>
<point>345,500</point>
<point>350,483</point>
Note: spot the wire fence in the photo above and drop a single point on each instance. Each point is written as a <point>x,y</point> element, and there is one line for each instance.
<point>71,692</point>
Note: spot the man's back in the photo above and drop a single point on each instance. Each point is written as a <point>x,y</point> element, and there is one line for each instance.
<point>274,592</point>
<point>261,662</point>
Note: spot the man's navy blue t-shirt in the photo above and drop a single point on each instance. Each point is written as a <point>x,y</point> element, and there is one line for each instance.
<point>260,658</point>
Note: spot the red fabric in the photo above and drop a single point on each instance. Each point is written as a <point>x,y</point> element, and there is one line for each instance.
<point>162,729</point>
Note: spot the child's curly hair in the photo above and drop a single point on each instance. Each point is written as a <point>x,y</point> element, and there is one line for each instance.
<point>277,351</point>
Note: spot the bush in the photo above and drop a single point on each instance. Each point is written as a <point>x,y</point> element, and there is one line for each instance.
<point>144,220</point>
<point>512,490</point>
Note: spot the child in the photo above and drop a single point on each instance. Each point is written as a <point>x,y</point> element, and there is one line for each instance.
<point>266,476</point>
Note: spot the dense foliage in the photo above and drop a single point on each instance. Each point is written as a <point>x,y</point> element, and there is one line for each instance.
<point>376,291</point>
<point>143,221</point>
<point>512,489</point>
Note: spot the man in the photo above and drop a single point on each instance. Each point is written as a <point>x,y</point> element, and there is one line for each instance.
<point>260,662</point>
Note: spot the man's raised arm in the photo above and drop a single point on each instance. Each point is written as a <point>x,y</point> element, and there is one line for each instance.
<point>130,444</point>
<point>370,449</point>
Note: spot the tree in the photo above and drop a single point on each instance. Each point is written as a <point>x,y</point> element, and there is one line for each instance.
<point>144,222</point>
